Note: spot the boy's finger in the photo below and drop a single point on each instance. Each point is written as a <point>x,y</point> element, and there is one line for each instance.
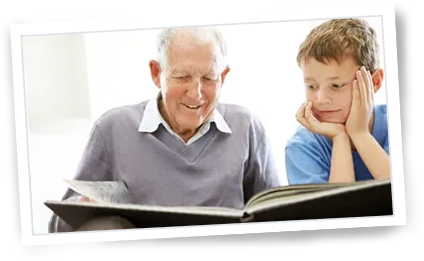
<point>367,84</point>
<point>310,118</point>
<point>361,89</point>
<point>300,115</point>
<point>300,119</point>
<point>308,109</point>
<point>355,92</point>
<point>301,111</point>
<point>313,119</point>
<point>371,88</point>
<point>304,123</point>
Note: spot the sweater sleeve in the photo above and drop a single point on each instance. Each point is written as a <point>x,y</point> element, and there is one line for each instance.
<point>261,172</point>
<point>94,166</point>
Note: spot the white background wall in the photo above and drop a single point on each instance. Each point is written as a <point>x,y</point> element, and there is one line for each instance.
<point>70,80</point>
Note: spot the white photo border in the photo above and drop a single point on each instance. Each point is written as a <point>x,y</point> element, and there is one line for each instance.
<point>154,21</point>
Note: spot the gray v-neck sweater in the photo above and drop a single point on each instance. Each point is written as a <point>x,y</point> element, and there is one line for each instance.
<point>219,169</point>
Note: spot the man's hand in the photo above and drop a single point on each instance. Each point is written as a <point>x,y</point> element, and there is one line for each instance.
<point>85,199</point>
<point>361,109</point>
<point>306,117</point>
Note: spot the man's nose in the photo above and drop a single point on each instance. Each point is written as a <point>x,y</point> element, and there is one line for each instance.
<point>195,90</point>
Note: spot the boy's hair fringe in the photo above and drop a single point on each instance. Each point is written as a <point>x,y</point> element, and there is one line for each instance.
<point>340,38</point>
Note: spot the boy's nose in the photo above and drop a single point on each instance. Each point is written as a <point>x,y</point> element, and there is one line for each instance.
<point>323,97</point>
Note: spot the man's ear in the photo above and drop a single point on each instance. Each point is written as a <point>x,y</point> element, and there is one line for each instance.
<point>377,79</point>
<point>155,72</point>
<point>224,74</point>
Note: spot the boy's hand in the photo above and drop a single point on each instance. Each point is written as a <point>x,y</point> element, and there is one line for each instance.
<point>306,117</point>
<point>362,104</point>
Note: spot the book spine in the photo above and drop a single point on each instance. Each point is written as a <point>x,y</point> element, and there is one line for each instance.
<point>246,218</point>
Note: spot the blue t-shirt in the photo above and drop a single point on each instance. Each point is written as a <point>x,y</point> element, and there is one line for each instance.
<point>308,155</point>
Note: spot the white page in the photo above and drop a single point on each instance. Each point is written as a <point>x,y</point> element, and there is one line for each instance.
<point>102,191</point>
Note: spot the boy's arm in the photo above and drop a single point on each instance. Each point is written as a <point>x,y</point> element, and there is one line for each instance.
<point>374,156</point>
<point>342,169</point>
<point>357,126</point>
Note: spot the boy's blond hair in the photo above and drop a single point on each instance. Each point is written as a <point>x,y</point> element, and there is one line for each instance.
<point>340,38</point>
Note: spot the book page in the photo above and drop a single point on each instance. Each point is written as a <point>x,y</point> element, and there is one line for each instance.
<point>117,192</point>
<point>283,191</point>
<point>102,191</point>
<point>294,193</point>
<point>143,216</point>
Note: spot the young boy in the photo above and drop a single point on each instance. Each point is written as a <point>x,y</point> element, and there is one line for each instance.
<point>344,136</point>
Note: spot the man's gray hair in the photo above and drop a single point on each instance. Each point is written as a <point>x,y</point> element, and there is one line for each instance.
<point>201,34</point>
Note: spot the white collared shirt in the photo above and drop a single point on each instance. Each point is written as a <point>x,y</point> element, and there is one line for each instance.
<point>152,118</point>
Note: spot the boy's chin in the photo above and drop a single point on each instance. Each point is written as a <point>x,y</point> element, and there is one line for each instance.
<point>334,121</point>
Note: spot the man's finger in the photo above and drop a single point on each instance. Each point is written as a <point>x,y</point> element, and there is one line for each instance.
<point>85,199</point>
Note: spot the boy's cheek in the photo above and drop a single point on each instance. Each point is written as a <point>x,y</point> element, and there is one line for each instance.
<point>309,97</point>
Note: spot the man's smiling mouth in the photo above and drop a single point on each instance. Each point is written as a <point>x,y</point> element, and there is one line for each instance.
<point>193,107</point>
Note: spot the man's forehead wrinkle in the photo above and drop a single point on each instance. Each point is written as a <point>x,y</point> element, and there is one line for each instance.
<point>190,65</point>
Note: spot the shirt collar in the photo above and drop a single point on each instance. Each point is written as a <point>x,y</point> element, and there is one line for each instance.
<point>152,118</point>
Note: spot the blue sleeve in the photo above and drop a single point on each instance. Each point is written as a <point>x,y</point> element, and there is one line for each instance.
<point>381,112</point>
<point>305,164</point>
<point>386,146</point>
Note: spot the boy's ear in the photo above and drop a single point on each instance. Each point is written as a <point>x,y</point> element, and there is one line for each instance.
<point>377,79</point>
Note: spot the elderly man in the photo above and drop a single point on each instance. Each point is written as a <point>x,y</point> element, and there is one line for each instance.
<point>183,147</point>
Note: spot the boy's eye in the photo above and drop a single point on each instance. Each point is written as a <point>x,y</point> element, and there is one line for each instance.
<point>312,87</point>
<point>338,85</point>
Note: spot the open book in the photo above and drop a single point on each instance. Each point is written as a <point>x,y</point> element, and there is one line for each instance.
<point>293,202</point>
